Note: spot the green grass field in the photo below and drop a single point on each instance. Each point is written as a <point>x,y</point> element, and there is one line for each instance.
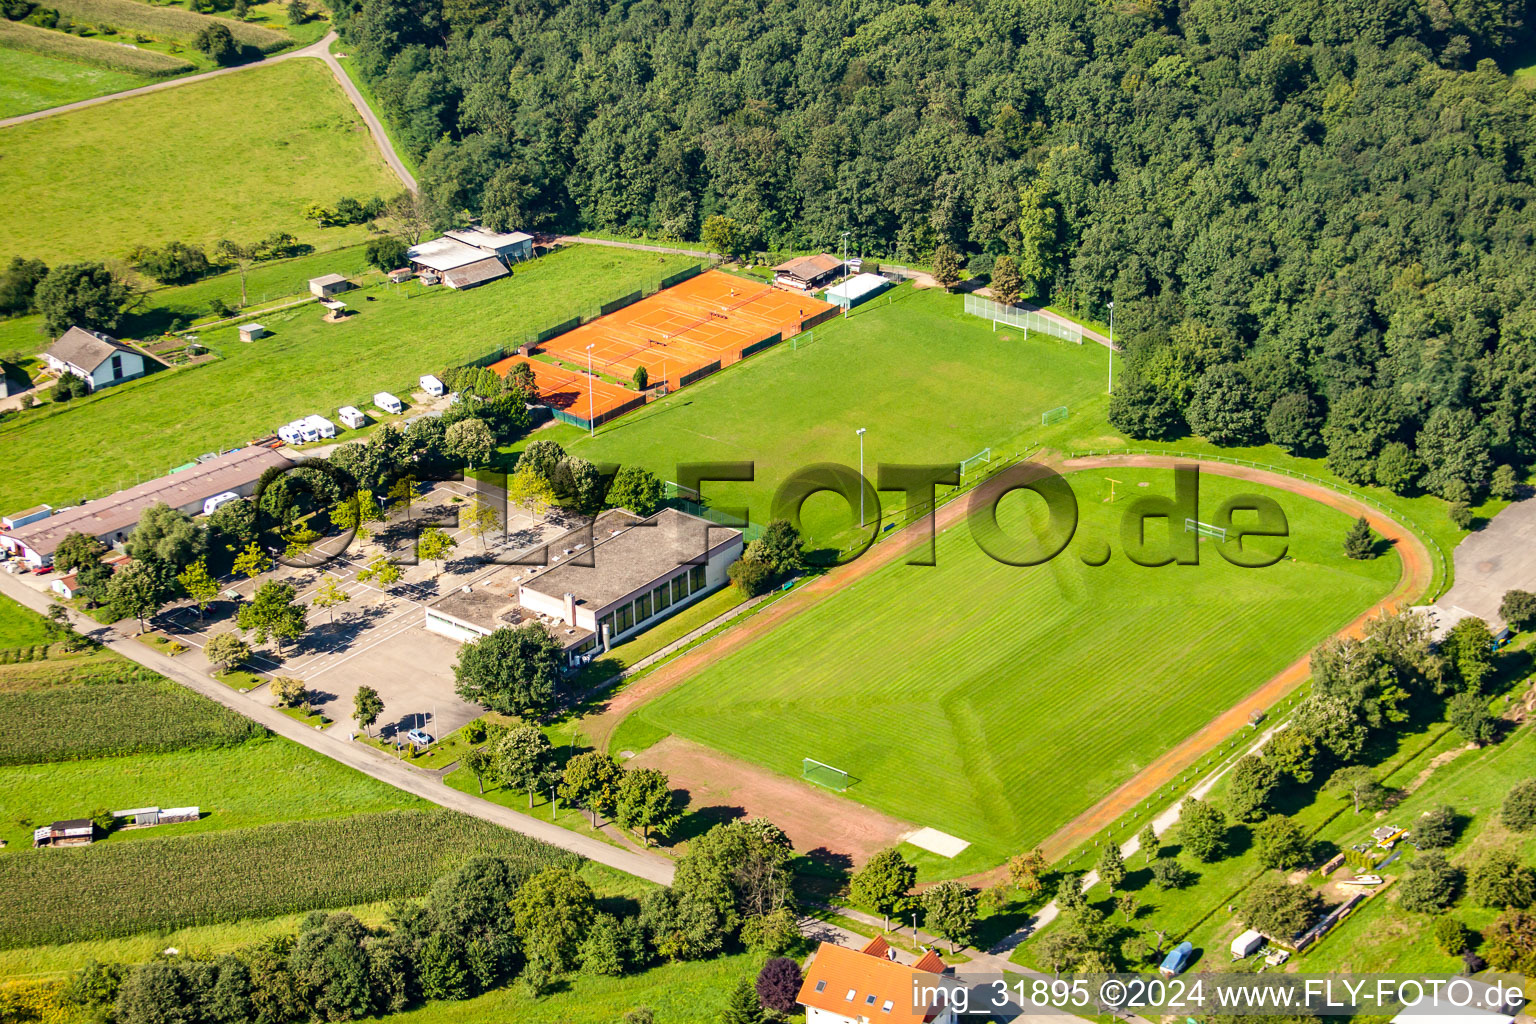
<point>92,183</point>
<point>929,383</point>
<point>956,694</point>
<point>31,81</point>
<point>143,428</point>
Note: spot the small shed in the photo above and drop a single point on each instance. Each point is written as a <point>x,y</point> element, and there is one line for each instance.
<point>402,275</point>
<point>1246,944</point>
<point>31,515</point>
<point>250,332</point>
<point>352,417</point>
<point>432,386</point>
<point>66,586</point>
<point>73,832</point>
<point>330,284</point>
<point>388,402</point>
<point>428,278</point>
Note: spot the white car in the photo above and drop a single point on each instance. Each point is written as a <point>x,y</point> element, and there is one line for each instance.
<point>420,737</point>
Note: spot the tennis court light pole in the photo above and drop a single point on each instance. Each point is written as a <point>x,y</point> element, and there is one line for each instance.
<point>591,426</point>
<point>861,478</point>
<point>1111,348</point>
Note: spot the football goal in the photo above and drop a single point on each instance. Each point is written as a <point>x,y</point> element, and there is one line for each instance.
<point>1055,415</point>
<point>980,458</point>
<point>823,774</point>
<point>801,340</point>
<point>1205,529</point>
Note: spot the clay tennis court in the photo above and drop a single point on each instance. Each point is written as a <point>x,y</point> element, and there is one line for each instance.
<point>706,322</point>
<point>575,393</point>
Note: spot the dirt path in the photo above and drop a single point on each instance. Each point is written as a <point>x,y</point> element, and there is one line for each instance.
<point>723,788</point>
<point>1418,573</point>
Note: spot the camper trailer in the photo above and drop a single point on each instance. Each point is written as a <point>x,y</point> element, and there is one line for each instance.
<point>292,433</point>
<point>432,386</point>
<point>386,401</point>
<point>212,504</point>
<point>320,427</point>
<point>352,417</point>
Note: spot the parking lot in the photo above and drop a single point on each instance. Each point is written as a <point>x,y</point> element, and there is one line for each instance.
<point>376,638</point>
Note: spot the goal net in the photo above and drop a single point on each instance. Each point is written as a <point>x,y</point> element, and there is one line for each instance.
<point>980,458</point>
<point>1205,529</point>
<point>1055,415</point>
<point>801,340</point>
<point>823,774</point>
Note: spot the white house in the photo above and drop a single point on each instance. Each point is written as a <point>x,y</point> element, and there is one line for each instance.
<point>857,986</point>
<point>95,358</point>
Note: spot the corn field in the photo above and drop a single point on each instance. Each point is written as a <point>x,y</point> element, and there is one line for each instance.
<point>96,52</point>
<point>168,24</point>
<point>108,710</point>
<point>121,887</point>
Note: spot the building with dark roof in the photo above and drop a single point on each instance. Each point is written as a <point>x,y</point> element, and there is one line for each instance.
<point>95,358</point>
<point>474,274</point>
<point>600,585</point>
<point>807,273</point>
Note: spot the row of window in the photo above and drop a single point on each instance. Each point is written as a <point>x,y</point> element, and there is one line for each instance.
<point>673,591</point>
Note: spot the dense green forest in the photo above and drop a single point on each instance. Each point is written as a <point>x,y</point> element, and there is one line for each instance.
<point>1312,215</point>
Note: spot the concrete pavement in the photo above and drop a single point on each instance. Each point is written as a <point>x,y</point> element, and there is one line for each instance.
<point>373,763</point>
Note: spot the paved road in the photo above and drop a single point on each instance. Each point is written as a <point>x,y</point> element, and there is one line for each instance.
<point>650,866</point>
<point>1499,557</point>
<point>320,50</point>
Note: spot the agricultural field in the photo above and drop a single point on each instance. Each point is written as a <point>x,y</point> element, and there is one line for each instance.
<point>143,428</point>
<point>92,183</point>
<point>1016,671</point>
<point>76,713</point>
<point>35,81</point>
<point>254,872</point>
<point>95,52</point>
<point>929,383</point>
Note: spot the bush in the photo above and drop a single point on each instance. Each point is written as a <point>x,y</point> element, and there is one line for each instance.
<point>750,576</point>
<point>1437,829</point>
<point>1499,880</point>
<point>1519,811</point>
<point>1432,886</point>
<point>1452,936</point>
<point>1168,873</point>
<point>1460,514</point>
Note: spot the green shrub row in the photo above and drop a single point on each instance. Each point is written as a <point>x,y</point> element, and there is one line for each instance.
<point>122,887</point>
<point>113,710</point>
<point>100,54</point>
<point>20,655</point>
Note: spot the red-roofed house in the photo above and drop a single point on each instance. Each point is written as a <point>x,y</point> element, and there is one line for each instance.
<point>851,986</point>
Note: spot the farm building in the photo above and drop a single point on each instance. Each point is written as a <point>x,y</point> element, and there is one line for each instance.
<point>250,332</point>
<point>73,832</point>
<point>475,274</point>
<point>635,573</point>
<point>854,986</point>
<point>66,586</point>
<point>401,276</point>
<point>330,284</point>
<point>510,246</point>
<point>857,289</point>
<point>807,273</point>
<point>95,358</point>
<point>147,817</point>
<point>112,518</point>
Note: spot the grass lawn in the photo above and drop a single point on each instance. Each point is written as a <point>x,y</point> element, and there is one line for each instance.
<point>654,639</point>
<point>143,428</point>
<point>929,383</point>
<point>314,718</point>
<point>236,787</point>
<point>997,676</point>
<point>19,626</point>
<point>684,993</point>
<point>31,81</point>
<point>149,169</point>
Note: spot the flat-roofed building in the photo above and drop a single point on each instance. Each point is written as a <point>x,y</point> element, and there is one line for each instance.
<point>598,588</point>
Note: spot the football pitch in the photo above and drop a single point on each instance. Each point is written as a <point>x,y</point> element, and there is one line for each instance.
<point>928,383</point>
<point>996,703</point>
